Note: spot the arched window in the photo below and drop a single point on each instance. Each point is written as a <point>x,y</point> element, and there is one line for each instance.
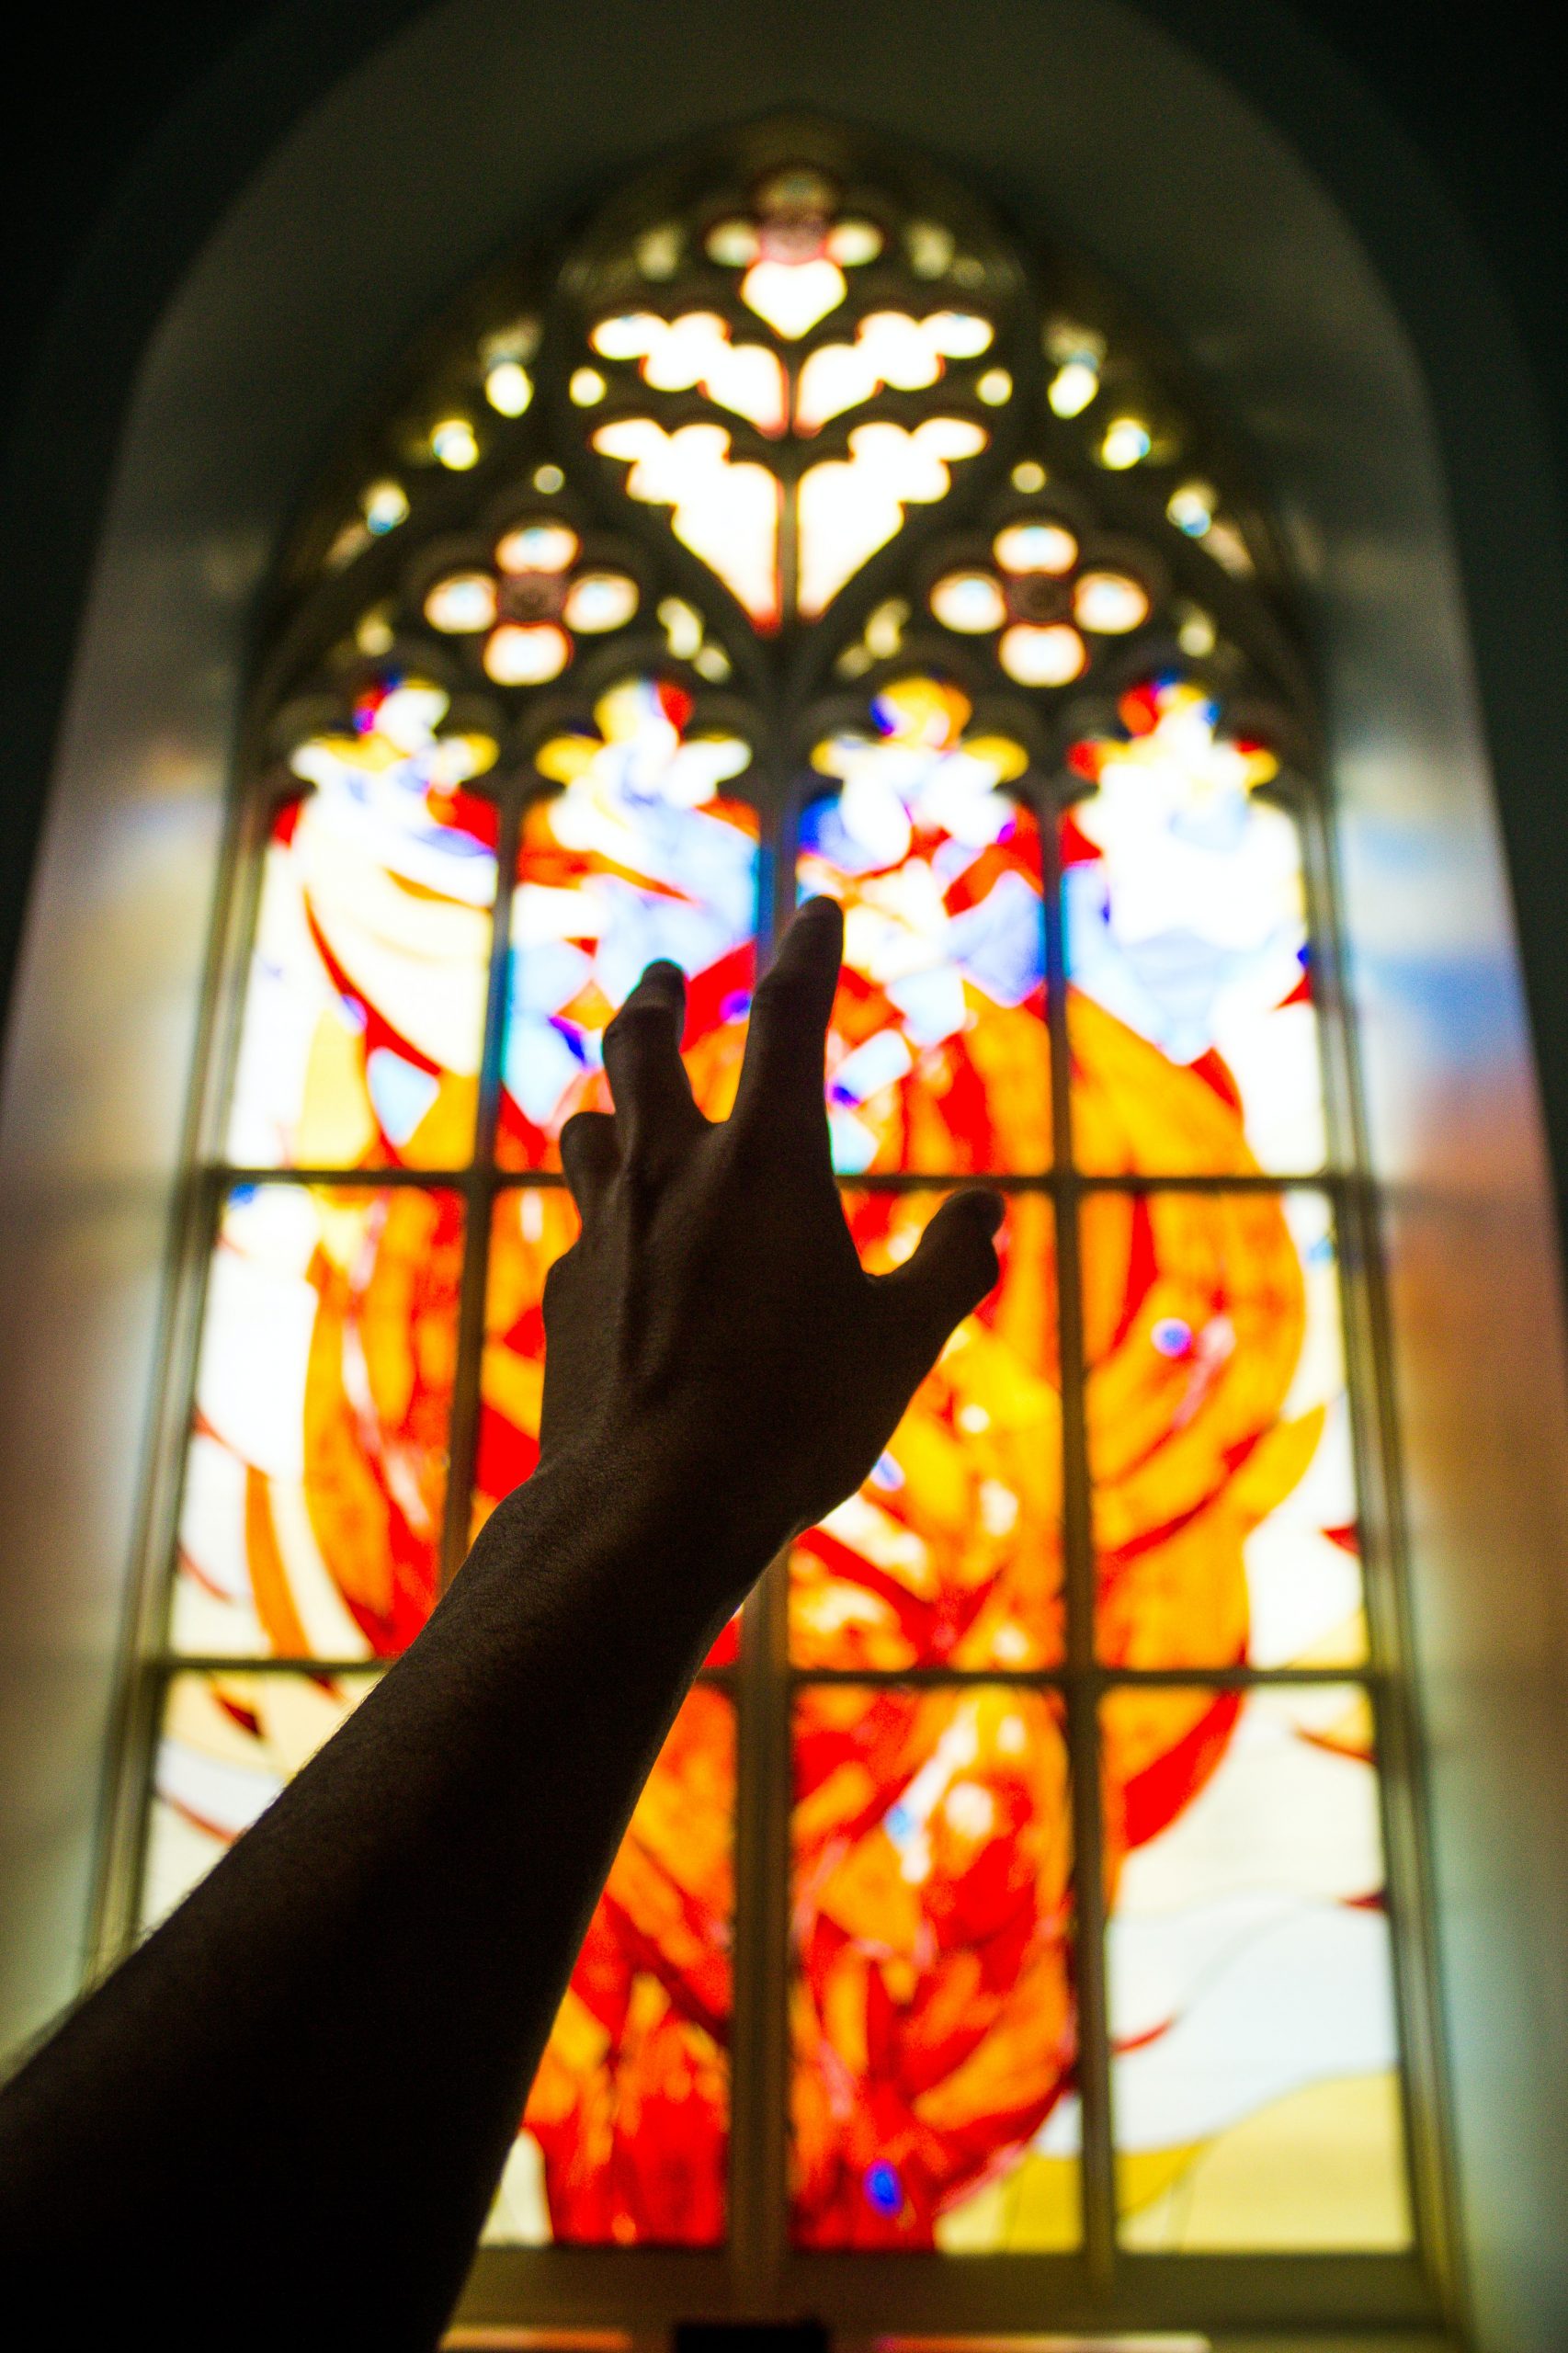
<point>1016,1930</point>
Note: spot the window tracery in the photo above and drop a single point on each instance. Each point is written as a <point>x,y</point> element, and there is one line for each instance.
<point>799,534</point>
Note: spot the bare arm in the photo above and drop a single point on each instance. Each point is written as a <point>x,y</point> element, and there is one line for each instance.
<point>283,2118</point>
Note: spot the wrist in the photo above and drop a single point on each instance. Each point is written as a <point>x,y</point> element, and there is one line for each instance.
<point>628,1503</point>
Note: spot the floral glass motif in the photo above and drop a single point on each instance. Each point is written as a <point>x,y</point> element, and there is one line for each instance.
<point>950,1553</point>
<point>796,255</point>
<point>793,250</point>
<point>939,1060</point>
<point>525,609</point>
<point>364,1010</point>
<point>932,2022</point>
<point>1190,1014</point>
<point>638,857</point>
<point>1244,1857</point>
<point>315,1473</point>
<point>1044,600</point>
<point>1219,1432</point>
<point>626,2133</point>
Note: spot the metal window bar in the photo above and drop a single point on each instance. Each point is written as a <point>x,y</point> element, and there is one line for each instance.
<point>762,2273</point>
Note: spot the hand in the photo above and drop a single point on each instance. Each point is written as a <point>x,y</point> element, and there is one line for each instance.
<point>712,1329</point>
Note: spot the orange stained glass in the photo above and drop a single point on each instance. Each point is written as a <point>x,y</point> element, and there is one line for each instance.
<point>1219,1432</point>
<point>532,1225</point>
<point>939,1058</point>
<point>364,1010</point>
<point>637,858</point>
<point>931,2005</point>
<point>950,1553</point>
<point>1255,2040</point>
<point>625,2139</point>
<point>315,1473</point>
<point>1193,1031</point>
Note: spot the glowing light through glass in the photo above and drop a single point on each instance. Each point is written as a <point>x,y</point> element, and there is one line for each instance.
<point>937,1058</point>
<point>890,347</point>
<point>695,350</point>
<point>726,510</point>
<point>1187,951</point>
<point>950,1553</point>
<point>637,858</point>
<point>933,2036</point>
<point>1243,1850</point>
<point>851,506</point>
<point>364,1010</point>
<point>316,1474</point>
<point>625,2138</point>
<point>229,1741</point>
<point>1219,1432</point>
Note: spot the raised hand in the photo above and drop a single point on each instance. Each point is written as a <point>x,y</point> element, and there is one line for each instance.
<point>713,1328</point>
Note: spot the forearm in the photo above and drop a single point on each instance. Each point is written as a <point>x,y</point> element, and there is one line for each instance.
<point>318,2062</point>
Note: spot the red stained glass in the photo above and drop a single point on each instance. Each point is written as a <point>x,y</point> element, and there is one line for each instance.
<point>932,2017</point>
<point>636,859</point>
<point>1225,1505</point>
<point>630,2112</point>
<point>939,1060</point>
<point>950,1553</point>
<point>364,1010</point>
<point>316,1471</point>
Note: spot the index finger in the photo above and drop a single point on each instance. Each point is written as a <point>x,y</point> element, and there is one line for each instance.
<point>783,1070</point>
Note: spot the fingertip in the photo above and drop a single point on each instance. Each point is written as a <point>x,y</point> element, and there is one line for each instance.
<point>817,929</point>
<point>986,1207</point>
<point>664,976</point>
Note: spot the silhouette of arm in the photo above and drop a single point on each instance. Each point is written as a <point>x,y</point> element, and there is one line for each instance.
<point>282,2119</point>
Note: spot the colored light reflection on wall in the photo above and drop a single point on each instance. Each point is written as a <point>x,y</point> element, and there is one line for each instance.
<point>316,1469</point>
<point>931,2011</point>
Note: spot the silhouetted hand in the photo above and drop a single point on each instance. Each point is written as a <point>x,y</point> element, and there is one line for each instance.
<point>712,1329</point>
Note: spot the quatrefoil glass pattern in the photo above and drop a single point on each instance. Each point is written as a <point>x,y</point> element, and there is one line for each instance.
<point>526,607</point>
<point>1044,600</point>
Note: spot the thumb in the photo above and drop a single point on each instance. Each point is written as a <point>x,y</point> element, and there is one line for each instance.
<point>949,1276</point>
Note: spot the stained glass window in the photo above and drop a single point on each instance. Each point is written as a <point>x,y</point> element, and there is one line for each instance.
<point>1021,1887</point>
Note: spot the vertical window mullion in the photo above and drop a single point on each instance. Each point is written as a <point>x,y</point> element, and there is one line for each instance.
<point>759,2058</point>
<point>479,1194</point>
<point>1079,1583</point>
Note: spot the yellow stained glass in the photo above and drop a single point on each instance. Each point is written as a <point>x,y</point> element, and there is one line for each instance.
<point>1252,2023</point>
